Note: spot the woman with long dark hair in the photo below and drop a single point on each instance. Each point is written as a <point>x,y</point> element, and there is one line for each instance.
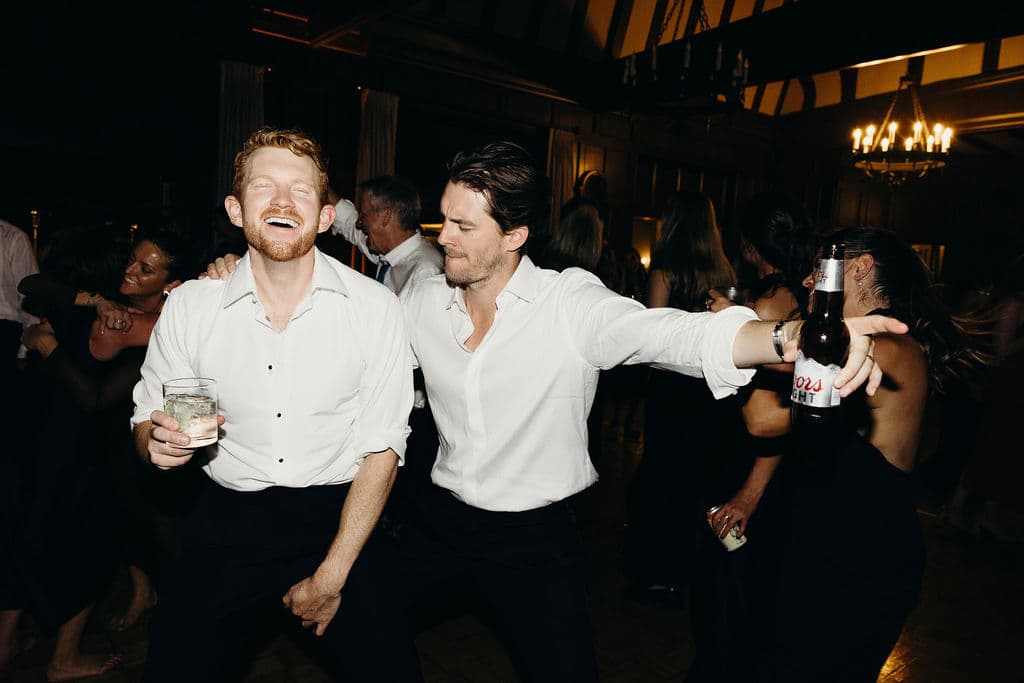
<point>662,499</point>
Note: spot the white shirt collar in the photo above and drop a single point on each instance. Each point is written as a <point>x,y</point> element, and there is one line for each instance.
<point>524,284</point>
<point>242,283</point>
<point>403,250</point>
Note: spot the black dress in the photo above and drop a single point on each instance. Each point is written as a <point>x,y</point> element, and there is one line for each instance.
<point>58,519</point>
<point>685,428</point>
<point>852,566</point>
<point>733,595</point>
<point>78,495</point>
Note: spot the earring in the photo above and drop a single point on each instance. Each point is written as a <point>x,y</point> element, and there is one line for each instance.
<point>166,292</point>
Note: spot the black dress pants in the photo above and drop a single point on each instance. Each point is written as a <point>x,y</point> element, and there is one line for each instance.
<point>241,554</point>
<point>528,567</point>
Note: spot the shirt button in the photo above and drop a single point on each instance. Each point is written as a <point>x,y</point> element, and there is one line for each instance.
<point>279,414</point>
<point>270,367</point>
<point>280,459</point>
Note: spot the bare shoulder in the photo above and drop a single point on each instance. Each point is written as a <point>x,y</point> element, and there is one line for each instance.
<point>898,407</point>
<point>903,362</point>
<point>776,305</point>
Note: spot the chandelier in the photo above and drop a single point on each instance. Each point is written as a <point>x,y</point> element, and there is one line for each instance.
<point>696,74</point>
<point>884,151</point>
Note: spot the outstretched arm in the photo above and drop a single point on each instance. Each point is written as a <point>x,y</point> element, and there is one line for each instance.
<point>346,224</point>
<point>753,346</point>
<point>51,295</point>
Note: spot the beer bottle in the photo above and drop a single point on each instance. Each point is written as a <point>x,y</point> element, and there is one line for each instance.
<point>824,341</point>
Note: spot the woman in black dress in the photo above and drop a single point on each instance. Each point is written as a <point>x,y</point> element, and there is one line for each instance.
<point>75,470</point>
<point>683,423</point>
<point>733,610</point>
<point>854,558</point>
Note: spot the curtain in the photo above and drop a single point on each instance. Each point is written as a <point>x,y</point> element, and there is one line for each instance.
<point>377,134</point>
<point>241,112</point>
<point>561,169</point>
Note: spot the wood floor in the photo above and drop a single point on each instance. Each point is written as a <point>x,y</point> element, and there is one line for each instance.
<point>967,628</point>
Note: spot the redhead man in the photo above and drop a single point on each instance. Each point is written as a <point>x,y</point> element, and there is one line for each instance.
<point>310,440</point>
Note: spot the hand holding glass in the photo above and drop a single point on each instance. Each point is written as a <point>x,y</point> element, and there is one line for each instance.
<point>192,402</point>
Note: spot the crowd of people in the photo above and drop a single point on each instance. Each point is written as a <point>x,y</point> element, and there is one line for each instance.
<point>384,438</point>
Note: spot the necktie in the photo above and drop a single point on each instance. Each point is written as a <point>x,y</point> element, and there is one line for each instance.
<point>382,269</point>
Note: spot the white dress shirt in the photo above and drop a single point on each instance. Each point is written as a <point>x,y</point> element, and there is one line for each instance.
<point>17,261</point>
<point>414,259</point>
<point>303,406</point>
<point>512,415</point>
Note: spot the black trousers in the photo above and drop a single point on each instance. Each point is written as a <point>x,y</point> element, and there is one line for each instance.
<point>528,567</point>
<point>241,554</point>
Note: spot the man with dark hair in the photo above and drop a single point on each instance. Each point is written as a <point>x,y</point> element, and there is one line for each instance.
<point>384,225</point>
<point>510,354</point>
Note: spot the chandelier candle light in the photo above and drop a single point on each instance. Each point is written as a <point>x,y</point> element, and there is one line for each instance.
<point>878,152</point>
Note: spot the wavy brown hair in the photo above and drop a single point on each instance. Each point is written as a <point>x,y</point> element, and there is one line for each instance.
<point>690,250</point>
<point>516,190</point>
<point>297,142</point>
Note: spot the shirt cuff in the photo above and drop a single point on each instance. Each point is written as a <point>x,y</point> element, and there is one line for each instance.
<point>345,217</point>
<point>721,374</point>
<point>381,441</point>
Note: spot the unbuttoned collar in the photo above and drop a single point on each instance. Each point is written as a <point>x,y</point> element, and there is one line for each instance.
<point>242,283</point>
<point>524,284</point>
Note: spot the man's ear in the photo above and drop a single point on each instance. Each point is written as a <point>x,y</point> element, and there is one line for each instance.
<point>234,209</point>
<point>327,213</point>
<point>516,238</point>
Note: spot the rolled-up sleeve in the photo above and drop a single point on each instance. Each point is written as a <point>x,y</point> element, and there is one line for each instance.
<point>165,358</point>
<point>387,384</point>
<point>720,373</point>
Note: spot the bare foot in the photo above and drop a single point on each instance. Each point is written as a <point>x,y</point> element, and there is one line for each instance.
<point>141,602</point>
<point>82,667</point>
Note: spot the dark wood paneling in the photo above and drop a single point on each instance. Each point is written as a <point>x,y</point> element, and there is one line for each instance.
<point>615,126</point>
<point>643,187</point>
<point>573,117</point>
<point>591,158</point>
<point>666,181</point>
<point>616,172</point>
<point>528,109</point>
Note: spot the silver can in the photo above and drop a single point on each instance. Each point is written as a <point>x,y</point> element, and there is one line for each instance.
<point>732,540</point>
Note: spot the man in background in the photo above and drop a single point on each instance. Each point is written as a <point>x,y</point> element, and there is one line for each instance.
<point>386,229</point>
<point>17,261</point>
<point>384,224</point>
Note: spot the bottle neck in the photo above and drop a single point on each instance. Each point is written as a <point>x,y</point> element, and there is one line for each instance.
<point>827,305</point>
<point>827,301</point>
